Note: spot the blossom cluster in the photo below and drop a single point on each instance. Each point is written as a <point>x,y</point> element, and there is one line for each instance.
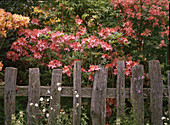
<point>146,15</point>
<point>43,43</point>
<point>10,21</point>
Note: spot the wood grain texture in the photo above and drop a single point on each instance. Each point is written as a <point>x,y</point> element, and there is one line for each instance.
<point>9,93</point>
<point>120,89</point>
<point>137,94</point>
<point>55,94</point>
<point>169,94</point>
<point>86,92</point>
<point>77,93</point>
<point>33,96</point>
<point>98,100</point>
<point>156,94</point>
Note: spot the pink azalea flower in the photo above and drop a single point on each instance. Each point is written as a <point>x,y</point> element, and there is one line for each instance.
<point>79,21</point>
<point>93,68</point>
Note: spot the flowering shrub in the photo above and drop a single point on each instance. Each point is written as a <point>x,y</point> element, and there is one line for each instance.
<point>10,21</point>
<point>55,49</point>
<point>146,24</point>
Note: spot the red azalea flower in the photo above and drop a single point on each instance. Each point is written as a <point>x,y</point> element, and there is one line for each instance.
<point>66,70</point>
<point>79,21</point>
<point>54,63</point>
<point>83,70</point>
<point>72,63</point>
<point>35,21</point>
<point>93,68</point>
<point>108,111</point>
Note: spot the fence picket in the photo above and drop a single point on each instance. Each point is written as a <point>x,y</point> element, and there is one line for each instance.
<point>55,94</point>
<point>77,93</point>
<point>137,94</point>
<point>169,94</point>
<point>9,93</point>
<point>120,89</point>
<point>156,94</point>
<point>33,96</point>
<point>98,100</point>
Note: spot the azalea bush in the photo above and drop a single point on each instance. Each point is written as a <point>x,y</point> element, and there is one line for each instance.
<point>146,24</point>
<point>55,49</point>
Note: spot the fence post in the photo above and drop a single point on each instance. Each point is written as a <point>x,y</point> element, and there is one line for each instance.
<point>156,94</point>
<point>33,96</point>
<point>169,95</point>
<point>120,89</point>
<point>77,93</point>
<point>9,93</point>
<point>137,94</point>
<point>55,94</point>
<point>98,100</point>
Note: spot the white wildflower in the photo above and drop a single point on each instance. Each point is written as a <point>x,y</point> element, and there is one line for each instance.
<point>118,121</point>
<point>43,110</point>
<point>59,88</point>
<point>163,118</point>
<point>33,116</point>
<point>31,104</point>
<point>77,104</point>
<point>51,97</point>
<point>41,99</point>
<point>48,91</point>
<point>18,122</point>
<point>166,112</point>
<point>21,113</point>
<point>36,104</point>
<point>13,117</point>
<point>58,84</point>
<point>47,115</point>
<point>77,95</point>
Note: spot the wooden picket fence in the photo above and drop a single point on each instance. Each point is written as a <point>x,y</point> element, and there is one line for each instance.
<point>98,93</point>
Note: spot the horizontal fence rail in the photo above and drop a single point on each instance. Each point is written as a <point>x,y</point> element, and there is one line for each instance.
<point>86,92</point>
<point>98,93</point>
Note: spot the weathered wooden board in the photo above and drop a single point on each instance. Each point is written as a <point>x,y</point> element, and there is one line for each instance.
<point>98,100</point>
<point>169,94</point>
<point>137,94</point>
<point>77,93</point>
<point>9,93</point>
<point>55,94</point>
<point>86,92</point>
<point>33,96</point>
<point>120,89</point>
<point>156,94</point>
